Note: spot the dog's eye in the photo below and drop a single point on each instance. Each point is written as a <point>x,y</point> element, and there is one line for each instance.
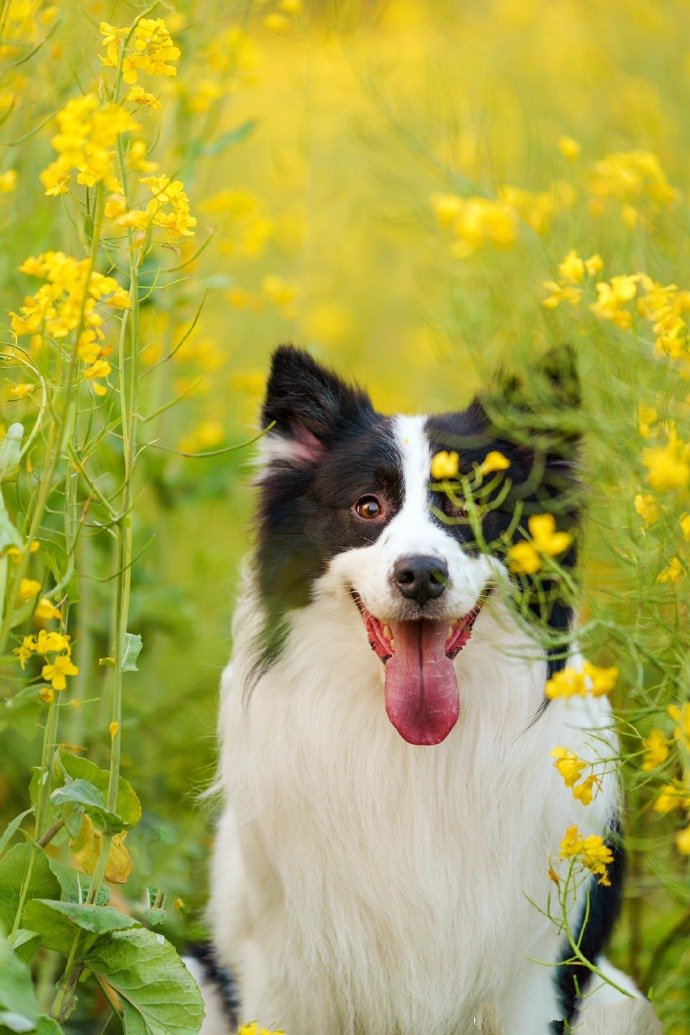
<point>369,508</point>
<point>453,508</point>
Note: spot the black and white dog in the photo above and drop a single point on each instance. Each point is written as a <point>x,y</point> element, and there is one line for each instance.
<point>391,807</point>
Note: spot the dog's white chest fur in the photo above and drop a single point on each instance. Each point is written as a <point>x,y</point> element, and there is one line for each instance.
<point>363,885</point>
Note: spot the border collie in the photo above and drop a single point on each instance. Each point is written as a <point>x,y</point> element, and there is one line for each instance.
<point>391,807</point>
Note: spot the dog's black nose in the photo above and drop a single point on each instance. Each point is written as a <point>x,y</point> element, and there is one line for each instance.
<point>420,578</point>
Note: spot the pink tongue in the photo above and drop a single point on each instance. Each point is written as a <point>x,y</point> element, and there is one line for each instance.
<point>422,699</point>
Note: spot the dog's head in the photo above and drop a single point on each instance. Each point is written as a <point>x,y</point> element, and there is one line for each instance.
<point>353,501</point>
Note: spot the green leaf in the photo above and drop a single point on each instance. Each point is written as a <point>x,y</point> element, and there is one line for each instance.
<point>47,1026</point>
<point>131,649</point>
<point>229,139</point>
<point>90,799</point>
<point>25,944</point>
<point>58,922</point>
<point>16,1022</point>
<point>75,885</point>
<point>13,869</point>
<point>158,994</point>
<point>127,806</point>
<point>18,1005</point>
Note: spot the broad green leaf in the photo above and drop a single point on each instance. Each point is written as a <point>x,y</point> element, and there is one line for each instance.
<point>58,922</point>
<point>127,806</point>
<point>47,1026</point>
<point>131,649</point>
<point>75,885</point>
<point>25,944</point>
<point>13,869</point>
<point>16,1021</point>
<point>159,995</point>
<point>91,799</point>
<point>229,139</point>
<point>18,1005</point>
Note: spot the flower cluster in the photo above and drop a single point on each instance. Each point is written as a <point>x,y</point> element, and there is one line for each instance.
<point>71,299</point>
<point>569,682</point>
<point>475,222</point>
<point>630,183</point>
<point>168,208</point>
<point>527,556</point>
<point>592,852</point>
<point>55,671</point>
<point>572,272</point>
<point>572,768</point>
<point>86,140</point>
<point>668,465</point>
<point>144,47</point>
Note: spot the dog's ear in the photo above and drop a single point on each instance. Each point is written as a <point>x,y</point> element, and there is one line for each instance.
<point>538,408</point>
<point>307,407</point>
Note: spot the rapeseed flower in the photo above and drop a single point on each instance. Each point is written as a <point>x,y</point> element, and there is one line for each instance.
<point>656,750</point>
<point>147,47</point>
<point>668,467</point>
<point>493,461</point>
<point>526,557</point>
<point>444,465</point>
<point>681,716</point>
<point>673,572</point>
<point>56,672</point>
<point>591,851</point>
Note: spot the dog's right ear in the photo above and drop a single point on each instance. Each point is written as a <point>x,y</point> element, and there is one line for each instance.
<point>309,408</point>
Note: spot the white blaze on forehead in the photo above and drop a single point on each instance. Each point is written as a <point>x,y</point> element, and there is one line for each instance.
<point>414,522</point>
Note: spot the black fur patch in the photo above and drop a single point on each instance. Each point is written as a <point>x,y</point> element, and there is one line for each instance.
<point>593,938</point>
<point>218,976</point>
<point>343,450</point>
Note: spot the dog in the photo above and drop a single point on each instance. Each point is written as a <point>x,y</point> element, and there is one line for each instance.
<point>391,809</point>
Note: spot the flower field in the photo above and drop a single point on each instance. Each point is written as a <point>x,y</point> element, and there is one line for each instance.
<point>420,193</point>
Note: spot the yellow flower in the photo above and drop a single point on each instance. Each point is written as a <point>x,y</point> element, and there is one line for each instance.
<point>683,841</point>
<point>685,526</point>
<point>681,716</point>
<point>138,95</point>
<point>45,610</point>
<point>572,268</point>
<point>584,791</point>
<point>672,796</point>
<point>51,642</point>
<point>21,391</point>
<point>493,461</point>
<point>612,296</point>
<point>667,466</point>
<point>656,751</point>
<point>673,572</point>
<point>602,680</point>
<point>8,181</point>
<point>647,416</point>
<point>560,293</point>
<point>149,48</point>
<point>568,765</point>
<point>525,557</point>
<point>648,508</point>
<point>444,465</point>
<point>169,206</point>
<point>57,672</point>
<point>590,851</point>
<point>113,729</point>
<point>566,683</point>
<point>569,148</point>
<point>28,588</point>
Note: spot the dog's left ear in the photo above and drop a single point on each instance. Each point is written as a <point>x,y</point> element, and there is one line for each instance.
<point>309,407</point>
<point>538,408</point>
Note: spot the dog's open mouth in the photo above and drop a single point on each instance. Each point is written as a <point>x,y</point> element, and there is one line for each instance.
<point>421,688</point>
